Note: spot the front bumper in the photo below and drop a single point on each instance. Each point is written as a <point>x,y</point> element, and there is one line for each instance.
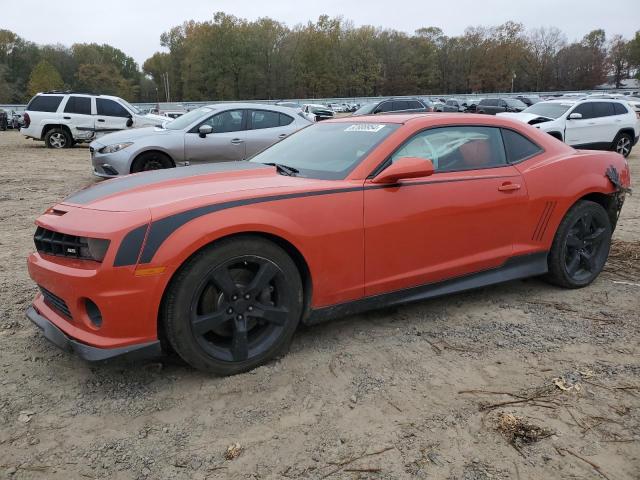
<point>109,165</point>
<point>87,352</point>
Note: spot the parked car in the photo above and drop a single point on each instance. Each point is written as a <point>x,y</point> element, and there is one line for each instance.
<point>590,123</point>
<point>635,104</point>
<point>336,107</point>
<point>472,105</point>
<point>15,119</point>
<point>62,119</point>
<point>4,122</point>
<point>491,106</point>
<point>529,100</point>
<point>223,262</point>
<point>454,105</point>
<point>316,113</point>
<point>215,133</point>
<point>408,105</point>
<point>173,114</point>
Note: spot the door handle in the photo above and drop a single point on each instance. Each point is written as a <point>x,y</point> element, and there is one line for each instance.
<point>67,118</point>
<point>101,119</point>
<point>509,187</point>
<point>282,135</point>
<point>237,141</point>
<point>591,123</point>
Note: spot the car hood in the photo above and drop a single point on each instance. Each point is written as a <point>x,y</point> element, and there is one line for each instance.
<point>530,118</point>
<point>183,186</point>
<point>131,135</point>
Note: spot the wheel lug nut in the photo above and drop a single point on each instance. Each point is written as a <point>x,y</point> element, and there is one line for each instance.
<point>229,310</point>
<point>250,308</point>
<point>247,296</point>
<point>239,317</point>
<point>234,297</point>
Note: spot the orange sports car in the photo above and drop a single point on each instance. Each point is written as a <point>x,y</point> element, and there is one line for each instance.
<point>221,262</point>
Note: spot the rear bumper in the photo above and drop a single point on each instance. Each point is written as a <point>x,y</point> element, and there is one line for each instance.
<point>87,352</point>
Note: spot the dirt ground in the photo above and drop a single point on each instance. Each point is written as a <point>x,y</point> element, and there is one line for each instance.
<point>519,381</point>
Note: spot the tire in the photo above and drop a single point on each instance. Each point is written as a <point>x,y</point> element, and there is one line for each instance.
<point>233,306</point>
<point>581,246</point>
<point>58,138</point>
<point>623,144</point>
<point>151,161</point>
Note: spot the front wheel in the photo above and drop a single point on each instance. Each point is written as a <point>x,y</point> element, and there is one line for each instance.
<point>581,246</point>
<point>151,161</point>
<point>623,144</point>
<point>233,306</point>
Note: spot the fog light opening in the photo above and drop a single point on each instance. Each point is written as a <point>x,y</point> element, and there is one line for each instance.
<point>93,312</point>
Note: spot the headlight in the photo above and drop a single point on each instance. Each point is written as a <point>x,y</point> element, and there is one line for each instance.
<point>95,249</point>
<point>116,147</point>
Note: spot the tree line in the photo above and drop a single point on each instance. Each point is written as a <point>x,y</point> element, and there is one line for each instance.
<point>229,58</point>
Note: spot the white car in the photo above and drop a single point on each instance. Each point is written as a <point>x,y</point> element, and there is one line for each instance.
<point>595,124</point>
<point>62,119</point>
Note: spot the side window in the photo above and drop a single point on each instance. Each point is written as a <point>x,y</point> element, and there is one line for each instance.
<point>229,121</point>
<point>385,107</point>
<point>518,147</point>
<point>44,103</point>
<point>603,109</point>
<point>619,109</point>
<point>264,119</point>
<point>502,103</point>
<point>456,148</point>
<point>285,119</point>
<point>109,108</point>
<point>415,105</point>
<point>400,105</point>
<point>80,105</point>
<point>586,109</point>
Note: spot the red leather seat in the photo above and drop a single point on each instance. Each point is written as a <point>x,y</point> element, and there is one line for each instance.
<point>476,154</point>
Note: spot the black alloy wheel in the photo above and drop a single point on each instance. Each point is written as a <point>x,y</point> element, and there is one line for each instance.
<point>581,246</point>
<point>234,305</point>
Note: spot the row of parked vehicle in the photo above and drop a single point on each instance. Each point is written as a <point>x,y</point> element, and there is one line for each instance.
<point>120,143</point>
<point>10,119</point>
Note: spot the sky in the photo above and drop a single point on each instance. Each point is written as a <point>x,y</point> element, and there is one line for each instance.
<point>135,26</point>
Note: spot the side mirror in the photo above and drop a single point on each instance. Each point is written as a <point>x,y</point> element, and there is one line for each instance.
<point>130,121</point>
<point>204,130</point>
<point>575,116</point>
<point>405,167</point>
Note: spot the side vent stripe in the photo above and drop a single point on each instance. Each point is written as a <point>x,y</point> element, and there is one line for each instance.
<point>543,221</point>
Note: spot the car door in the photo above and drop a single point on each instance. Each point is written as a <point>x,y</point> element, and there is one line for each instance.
<point>110,116</point>
<point>266,127</point>
<point>225,144</point>
<point>77,115</point>
<point>606,125</point>
<point>581,131</point>
<point>458,221</point>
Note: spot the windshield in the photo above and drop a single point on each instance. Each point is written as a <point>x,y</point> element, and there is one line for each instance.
<point>549,110</point>
<point>327,150</point>
<point>135,110</point>
<point>365,109</point>
<point>187,119</point>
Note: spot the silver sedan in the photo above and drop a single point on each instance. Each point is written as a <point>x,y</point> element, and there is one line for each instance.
<point>214,133</point>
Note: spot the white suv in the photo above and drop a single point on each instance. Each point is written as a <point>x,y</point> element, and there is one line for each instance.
<point>62,119</point>
<point>596,124</point>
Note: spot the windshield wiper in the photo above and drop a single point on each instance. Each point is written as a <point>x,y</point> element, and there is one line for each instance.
<point>284,169</point>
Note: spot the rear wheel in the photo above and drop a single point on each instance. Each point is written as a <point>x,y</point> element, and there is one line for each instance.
<point>623,144</point>
<point>58,138</point>
<point>233,306</point>
<point>151,161</point>
<point>581,246</point>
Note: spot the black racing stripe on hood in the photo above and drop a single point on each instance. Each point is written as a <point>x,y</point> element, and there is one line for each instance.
<point>118,185</point>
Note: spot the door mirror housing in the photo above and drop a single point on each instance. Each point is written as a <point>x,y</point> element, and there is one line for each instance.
<point>130,121</point>
<point>205,130</point>
<point>575,116</point>
<point>405,167</point>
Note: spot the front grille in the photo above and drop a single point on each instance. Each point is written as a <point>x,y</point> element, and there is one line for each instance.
<point>60,244</point>
<point>55,302</point>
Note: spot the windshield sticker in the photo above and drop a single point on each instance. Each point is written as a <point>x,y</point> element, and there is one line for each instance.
<point>364,127</point>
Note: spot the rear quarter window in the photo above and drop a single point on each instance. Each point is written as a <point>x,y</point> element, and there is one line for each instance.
<point>44,103</point>
<point>518,147</point>
<point>620,109</point>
